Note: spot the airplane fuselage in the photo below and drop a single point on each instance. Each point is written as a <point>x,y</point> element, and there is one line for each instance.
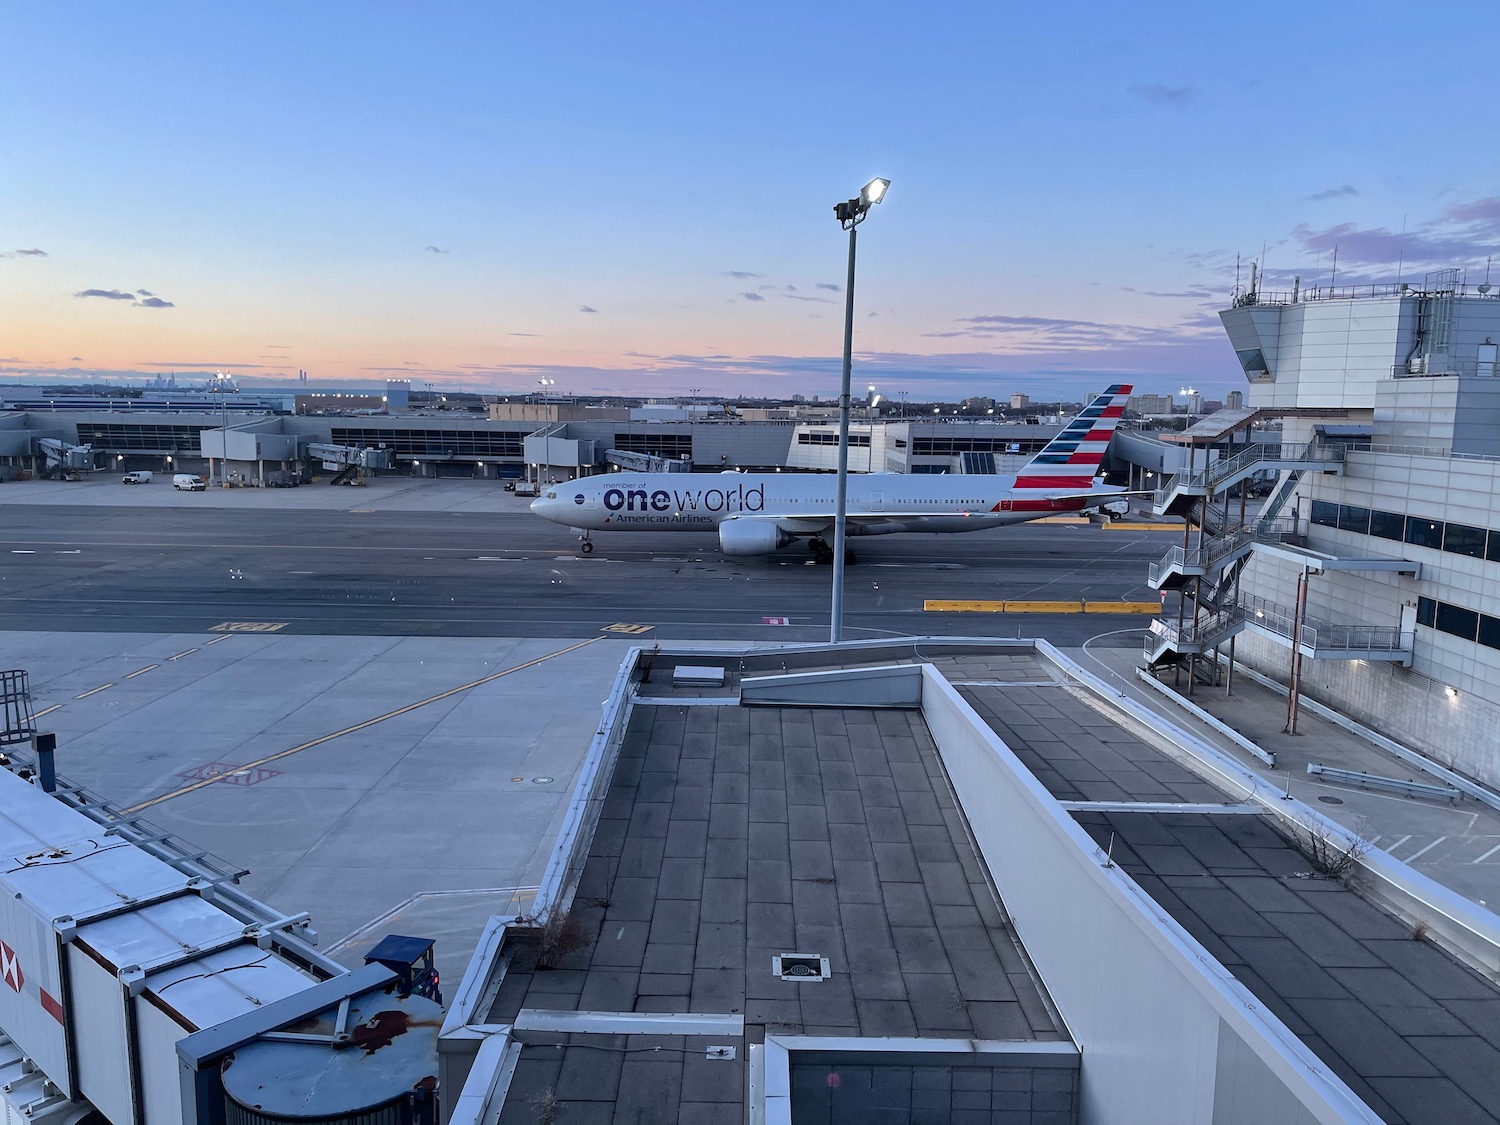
<point>799,503</point>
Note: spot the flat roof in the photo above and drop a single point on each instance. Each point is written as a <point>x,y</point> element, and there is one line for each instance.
<point>1410,1029</point>
<point>730,835</point>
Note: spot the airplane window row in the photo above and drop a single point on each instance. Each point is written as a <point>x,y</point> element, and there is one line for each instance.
<point>1419,531</point>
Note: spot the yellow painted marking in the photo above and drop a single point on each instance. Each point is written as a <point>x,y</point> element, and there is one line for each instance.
<point>944,606</point>
<point>623,627</point>
<point>93,691</point>
<point>187,651</point>
<point>1075,520</point>
<point>48,711</point>
<point>361,509</point>
<point>1043,607</point>
<point>215,641</point>
<point>249,627</point>
<point>1122,525</point>
<point>940,605</point>
<point>1122,607</point>
<point>366,724</point>
<point>142,671</point>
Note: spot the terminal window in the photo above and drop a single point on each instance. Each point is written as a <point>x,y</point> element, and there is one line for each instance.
<point>673,446</point>
<point>1457,621</point>
<point>818,437</point>
<point>433,443</point>
<point>127,436</point>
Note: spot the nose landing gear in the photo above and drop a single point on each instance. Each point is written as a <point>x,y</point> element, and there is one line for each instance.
<point>585,544</point>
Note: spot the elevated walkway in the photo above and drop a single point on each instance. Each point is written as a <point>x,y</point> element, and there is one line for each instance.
<point>1321,639</point>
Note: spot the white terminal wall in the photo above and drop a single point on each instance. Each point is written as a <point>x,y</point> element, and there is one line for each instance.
<point>1409,706</point>
<point>1168,1036</point>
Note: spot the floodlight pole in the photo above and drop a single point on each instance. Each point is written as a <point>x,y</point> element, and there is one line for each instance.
<point>840,511</point>
<point>849,214</point>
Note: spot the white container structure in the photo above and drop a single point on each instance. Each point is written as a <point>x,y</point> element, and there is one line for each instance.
<point>109,956</point>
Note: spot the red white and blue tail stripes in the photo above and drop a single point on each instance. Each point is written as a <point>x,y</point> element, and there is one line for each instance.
<point>1071,459</point>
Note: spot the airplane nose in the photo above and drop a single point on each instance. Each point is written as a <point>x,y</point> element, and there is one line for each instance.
<point>538,506</point>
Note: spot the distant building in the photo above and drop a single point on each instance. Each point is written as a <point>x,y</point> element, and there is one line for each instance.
<point>977,404</point>
<point>1019,401</point>
<point>1234,400</point>
<point>397,395</point>
<point>1212,406</point>
<point>1150,404</point>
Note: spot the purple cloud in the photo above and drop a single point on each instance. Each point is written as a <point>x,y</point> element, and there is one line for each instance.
<point>1158,94</point>
<point>1341,192</point>
<point>587,309</point>
<point>742,275</point>
<point>107,294</point>
<point>1462,233</point>
<point>154,303</point>
<point>752,296</point>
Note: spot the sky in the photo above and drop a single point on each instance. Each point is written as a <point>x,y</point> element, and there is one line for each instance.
<point>638,198</point>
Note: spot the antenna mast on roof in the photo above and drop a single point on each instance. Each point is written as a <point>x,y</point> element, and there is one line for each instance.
<point>1401,252</point>
<point>1333,275</point>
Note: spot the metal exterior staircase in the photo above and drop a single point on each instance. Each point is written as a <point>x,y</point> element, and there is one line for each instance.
<point>1166,641</point>
<point>1184,490</point>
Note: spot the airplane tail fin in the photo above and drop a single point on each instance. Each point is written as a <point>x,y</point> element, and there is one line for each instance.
<point>1071,459</point>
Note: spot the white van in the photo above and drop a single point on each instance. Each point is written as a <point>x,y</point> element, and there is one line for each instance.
<point>140,476</point>
<point>189,482</point>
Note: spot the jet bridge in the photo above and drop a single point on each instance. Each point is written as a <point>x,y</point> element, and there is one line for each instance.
<point>64,461</point>
<point>352,462</point>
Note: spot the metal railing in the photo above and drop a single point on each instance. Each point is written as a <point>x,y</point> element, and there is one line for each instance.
<point>1201,634</point>
<point>1228,542</point>
<point>1318,634</point>
<point>1248,297</point>
<point>1246,459</point>
<point>1445,366</point>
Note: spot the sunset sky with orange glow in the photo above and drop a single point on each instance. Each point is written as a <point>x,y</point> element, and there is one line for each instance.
<point>637,199</point>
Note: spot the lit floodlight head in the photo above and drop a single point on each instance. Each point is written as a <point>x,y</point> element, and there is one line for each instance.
<point>874,402</point>
<point>874,191</point>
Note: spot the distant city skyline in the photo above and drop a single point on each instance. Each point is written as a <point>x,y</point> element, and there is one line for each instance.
<point>638,200</point>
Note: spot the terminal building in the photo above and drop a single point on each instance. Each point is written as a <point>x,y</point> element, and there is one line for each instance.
<point>536,441</point>
<point>1375,562</point>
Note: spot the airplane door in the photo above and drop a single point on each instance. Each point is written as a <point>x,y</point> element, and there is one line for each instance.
<point>877,501</point>
<point>590,501</point>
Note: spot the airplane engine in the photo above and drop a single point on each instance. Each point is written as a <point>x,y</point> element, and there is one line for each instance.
<point>751,537</point>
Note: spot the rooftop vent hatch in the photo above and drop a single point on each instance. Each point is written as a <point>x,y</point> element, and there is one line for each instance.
<point>801,967</point>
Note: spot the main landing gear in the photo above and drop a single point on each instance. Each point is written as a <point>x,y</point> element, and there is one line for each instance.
<point>822,553</point>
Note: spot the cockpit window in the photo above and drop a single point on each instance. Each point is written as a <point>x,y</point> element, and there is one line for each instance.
<point>551,496</point>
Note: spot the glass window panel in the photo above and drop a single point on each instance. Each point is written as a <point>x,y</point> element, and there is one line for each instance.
<point>1460,539</point>
<point>1424,532</point>
<point>1457,620</point>
<point>1426,611</point>
<point>1387,525</point>
<point>1492,552</point>
<point>1489,631</point>
<point>1325,514</point>
<point>1354,519</point>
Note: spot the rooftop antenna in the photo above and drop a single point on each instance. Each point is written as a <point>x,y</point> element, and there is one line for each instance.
<point>1334,273</point>
<point>1236,273</point>
<point>1485,288</point>
<point>1401,252</point>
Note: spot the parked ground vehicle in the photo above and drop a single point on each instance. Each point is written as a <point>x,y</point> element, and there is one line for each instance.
<point>140,476</point>
<point>189,482</point>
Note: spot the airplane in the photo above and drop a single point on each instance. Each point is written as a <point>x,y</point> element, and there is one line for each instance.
<point>758,513</point>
